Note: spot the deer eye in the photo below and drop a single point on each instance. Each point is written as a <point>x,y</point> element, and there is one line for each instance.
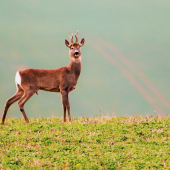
<point>72,48</point>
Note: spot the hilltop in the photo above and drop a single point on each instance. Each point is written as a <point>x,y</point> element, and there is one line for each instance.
<point>86,143</point>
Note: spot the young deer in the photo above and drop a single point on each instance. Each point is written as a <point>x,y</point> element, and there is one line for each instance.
<point>62,80</point>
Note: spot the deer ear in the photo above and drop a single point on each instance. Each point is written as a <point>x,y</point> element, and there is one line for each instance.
<point>82,41</point>
<point>67,43</point>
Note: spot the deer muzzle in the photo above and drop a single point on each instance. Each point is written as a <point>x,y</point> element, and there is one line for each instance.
<point>76,54</point>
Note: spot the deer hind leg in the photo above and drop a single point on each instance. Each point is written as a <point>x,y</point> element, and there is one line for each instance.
<point>22,101</point>
<point>66,104</point>
<point>10,101</point>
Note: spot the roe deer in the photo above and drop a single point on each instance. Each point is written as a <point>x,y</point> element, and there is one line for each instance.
<point>62,80</point>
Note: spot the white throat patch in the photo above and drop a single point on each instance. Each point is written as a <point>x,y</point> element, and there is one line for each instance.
<point>76,60</point>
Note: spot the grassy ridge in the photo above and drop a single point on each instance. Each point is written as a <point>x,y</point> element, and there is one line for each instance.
<point>32,35</point>
<point>86,143</point>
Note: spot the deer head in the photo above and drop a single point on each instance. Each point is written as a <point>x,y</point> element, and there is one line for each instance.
<point>74,47</point>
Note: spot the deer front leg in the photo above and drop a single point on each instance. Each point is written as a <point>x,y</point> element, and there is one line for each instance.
<point>64,109</point>
<point>66,104</point>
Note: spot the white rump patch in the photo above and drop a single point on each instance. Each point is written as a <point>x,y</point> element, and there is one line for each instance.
<point>18,78</point>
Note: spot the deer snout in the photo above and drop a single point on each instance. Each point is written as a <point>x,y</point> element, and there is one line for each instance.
<point>76,53</point>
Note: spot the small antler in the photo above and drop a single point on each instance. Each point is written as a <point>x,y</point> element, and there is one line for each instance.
<point>71,37</point>
<point>76,35</point>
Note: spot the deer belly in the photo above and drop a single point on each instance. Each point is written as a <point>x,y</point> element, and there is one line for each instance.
<point>55,89</point>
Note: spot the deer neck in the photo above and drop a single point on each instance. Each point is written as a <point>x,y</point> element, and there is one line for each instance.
<point>75,66</point>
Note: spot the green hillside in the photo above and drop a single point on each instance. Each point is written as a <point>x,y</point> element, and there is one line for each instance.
<point>87,143</point>
<point>125,59</point>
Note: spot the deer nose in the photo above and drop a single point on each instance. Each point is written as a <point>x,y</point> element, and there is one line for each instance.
<point>76,53</point>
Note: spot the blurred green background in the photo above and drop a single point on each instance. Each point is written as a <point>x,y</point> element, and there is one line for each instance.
<point>125,59</point>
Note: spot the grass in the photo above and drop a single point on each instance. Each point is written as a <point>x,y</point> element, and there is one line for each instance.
<point>134,33</point>
<point>86,143</point>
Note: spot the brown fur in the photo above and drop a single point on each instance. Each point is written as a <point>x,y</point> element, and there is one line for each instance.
<point>61,80</point>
